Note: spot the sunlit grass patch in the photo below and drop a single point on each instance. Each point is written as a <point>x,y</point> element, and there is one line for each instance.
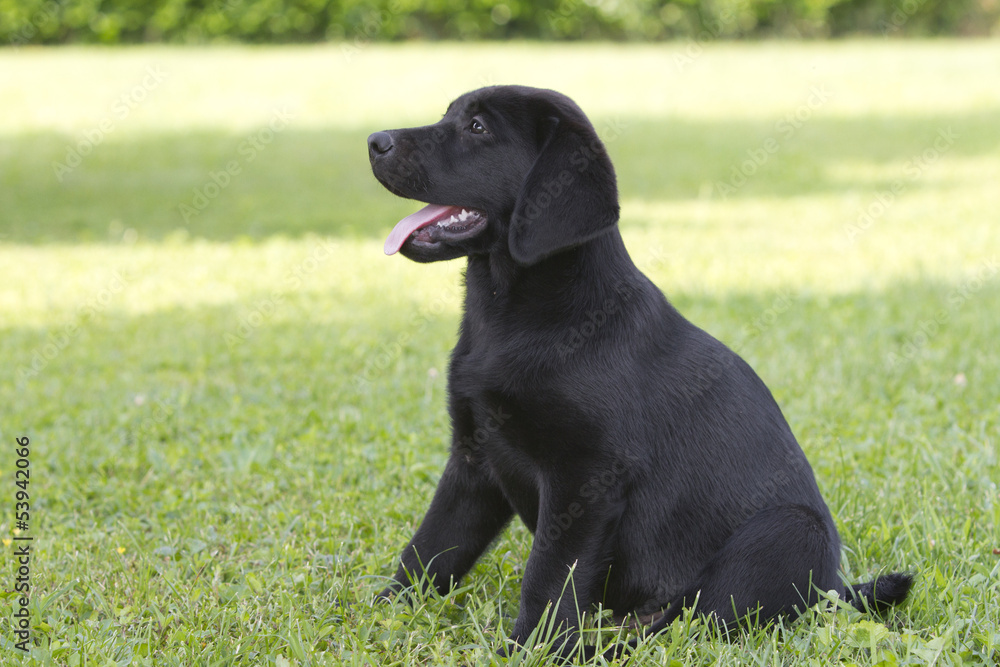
<point>238,418</point>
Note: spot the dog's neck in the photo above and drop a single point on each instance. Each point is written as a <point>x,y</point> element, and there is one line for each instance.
<point>498,279</point>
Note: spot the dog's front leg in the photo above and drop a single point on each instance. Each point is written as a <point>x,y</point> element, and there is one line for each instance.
<point>468,511</point>
<point>567,567</point>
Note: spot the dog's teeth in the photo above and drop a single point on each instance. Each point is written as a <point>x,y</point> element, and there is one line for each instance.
<point>455,219</point>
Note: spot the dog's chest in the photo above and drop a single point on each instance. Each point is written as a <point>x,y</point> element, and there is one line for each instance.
<point>517,475</point>
<point>499,432</point>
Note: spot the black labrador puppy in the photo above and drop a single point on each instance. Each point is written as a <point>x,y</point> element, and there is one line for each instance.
<point>651,463</point>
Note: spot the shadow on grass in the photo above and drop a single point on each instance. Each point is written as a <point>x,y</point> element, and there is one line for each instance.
<point>841,358</point>
<point>181,414</point>
<point>221,187</point>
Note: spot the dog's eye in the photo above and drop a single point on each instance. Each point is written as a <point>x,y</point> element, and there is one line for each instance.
<point>477,127</point>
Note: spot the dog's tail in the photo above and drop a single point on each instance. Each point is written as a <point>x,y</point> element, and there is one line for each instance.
<point>881,592</point>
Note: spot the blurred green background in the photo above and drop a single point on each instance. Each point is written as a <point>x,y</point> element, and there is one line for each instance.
<point>269,21</point>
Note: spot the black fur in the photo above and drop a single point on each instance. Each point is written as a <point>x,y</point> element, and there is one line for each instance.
<point>645,455</point>
<point>881,593</point>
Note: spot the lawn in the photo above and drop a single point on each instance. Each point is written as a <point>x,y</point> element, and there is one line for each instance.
<point>235,401</point>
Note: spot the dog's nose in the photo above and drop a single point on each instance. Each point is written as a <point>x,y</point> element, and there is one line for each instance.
<point>379,143</point>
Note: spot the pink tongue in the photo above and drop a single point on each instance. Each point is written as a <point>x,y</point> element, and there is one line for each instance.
<point>411,223</point>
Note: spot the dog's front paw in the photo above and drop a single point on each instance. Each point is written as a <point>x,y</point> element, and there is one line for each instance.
<point>389,592</point>
<point>564,655</point>
<point>508,648</point>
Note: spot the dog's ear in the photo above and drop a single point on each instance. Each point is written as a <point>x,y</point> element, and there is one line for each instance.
<point>569,196</point>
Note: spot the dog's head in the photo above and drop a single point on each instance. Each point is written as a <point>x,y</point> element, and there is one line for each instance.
<point>509,168</point>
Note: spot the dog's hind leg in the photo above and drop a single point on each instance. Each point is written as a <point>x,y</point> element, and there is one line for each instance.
<point>772,565</point>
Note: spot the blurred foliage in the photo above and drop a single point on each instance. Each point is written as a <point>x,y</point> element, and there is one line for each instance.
<point>198,21</point>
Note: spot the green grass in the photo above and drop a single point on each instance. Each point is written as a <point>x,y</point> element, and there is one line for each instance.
<point>237,420</point>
